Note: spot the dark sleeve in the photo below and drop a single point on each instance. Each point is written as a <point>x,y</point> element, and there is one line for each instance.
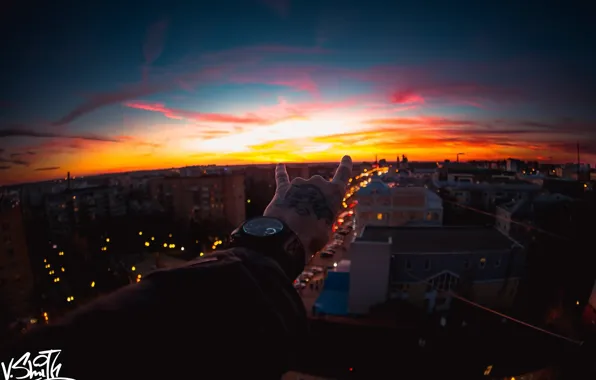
<point>230,314</point>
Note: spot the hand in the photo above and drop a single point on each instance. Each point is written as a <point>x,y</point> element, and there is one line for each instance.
<point>309,206</point>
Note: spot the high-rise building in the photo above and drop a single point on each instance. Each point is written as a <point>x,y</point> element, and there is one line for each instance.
<point>16,278</point>
<point>206,197</point>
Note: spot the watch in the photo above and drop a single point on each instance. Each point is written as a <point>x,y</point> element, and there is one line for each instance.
<point>273,238</point>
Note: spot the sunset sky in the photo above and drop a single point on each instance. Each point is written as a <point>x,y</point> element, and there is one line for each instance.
<point>138,85</point>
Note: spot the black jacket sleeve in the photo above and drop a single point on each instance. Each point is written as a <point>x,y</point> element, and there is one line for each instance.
<point>228,315</point>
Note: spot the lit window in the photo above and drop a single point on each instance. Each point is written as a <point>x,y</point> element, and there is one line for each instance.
<point>482,263</point>
<point>379,216</point>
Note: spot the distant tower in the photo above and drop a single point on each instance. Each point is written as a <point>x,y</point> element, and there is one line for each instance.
<point>68,180</point>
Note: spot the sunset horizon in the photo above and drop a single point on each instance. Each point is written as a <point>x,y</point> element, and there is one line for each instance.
<point>164,90</point>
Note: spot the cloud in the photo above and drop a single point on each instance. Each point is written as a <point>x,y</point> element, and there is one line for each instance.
<point>186,75</point>
<point>18,154</point>
<point>154,44</point>
<point>48,168</point>
<point>22,132</point>
<point>179,114</point>
<point>4,167</point>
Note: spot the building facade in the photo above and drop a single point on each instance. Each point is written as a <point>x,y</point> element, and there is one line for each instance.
<point>16,277</point>
<point>202,198</point>
<point>423,264</point>
<point>382,205</point>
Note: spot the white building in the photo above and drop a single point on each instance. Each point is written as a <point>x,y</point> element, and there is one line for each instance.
<point>381,205</point>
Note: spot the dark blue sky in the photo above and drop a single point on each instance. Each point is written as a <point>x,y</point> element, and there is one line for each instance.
<point>142,80</point>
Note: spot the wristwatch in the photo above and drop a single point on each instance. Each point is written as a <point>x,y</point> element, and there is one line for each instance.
<point>273,238</point>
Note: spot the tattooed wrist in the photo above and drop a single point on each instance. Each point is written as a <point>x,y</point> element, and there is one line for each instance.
<point>308,200</point>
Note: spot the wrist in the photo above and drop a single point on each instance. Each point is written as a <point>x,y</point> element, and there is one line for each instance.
<point>274,238</point>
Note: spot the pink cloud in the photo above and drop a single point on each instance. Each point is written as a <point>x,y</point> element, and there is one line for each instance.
<point>179,114</point>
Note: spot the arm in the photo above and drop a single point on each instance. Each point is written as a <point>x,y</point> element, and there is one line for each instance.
<point>231,312</point>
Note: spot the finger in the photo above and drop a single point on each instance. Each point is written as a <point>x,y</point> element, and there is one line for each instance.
<point>344,171</point>
<point>282,179</point>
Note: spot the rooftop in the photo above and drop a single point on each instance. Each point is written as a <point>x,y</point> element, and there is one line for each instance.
<point>437,239</point>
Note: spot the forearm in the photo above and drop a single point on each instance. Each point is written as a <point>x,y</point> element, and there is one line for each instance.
<point>207,306</point>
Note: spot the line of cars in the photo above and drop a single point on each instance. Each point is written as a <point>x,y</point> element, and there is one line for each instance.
<point>344,226</point>
<point>306,276</point>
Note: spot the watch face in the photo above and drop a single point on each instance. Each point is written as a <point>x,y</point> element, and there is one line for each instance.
<point>263,226</point>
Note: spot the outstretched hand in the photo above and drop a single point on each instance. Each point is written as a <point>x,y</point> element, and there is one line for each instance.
<point>309,206</point>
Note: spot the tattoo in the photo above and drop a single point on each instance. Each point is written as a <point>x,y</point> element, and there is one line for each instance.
<point>308,200</point>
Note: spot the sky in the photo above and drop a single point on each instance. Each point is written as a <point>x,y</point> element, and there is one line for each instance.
<point>93,88</point>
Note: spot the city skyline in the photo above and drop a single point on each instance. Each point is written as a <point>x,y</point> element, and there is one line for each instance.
<point>279,80</point>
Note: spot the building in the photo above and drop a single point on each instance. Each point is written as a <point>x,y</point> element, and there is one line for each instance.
<point>16,278</point>
<point>422,264</point>
<point>202,198</point>
<point>485,195</point>
<point>511,217</point>
<point>71,209</point>
<point>382,205</point>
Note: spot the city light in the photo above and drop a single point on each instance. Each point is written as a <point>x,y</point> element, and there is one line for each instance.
<point>57,279</point>
<point>107,240</point>
<point>104,248</point>
<point>45,316</point>
<point>146,244</point>
<point>488,370</point>
<point>61,253</point>
<point>170,235</point>
<point>133,268</point>
<point>93,284</point>
<point>165,245</point>
<point>140,233</point>
<point>201,254</point>
<point>335,265</point>
<point>152,238</point>
<point>45,260</point>
<point>172,245</point>
<point>248,201</point>
<point>62,269</point>
<point>69,299</point>
<point>182,248</point>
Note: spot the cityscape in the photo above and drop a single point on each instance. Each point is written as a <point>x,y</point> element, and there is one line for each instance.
<point>459,246</point>
<point>135,139</point>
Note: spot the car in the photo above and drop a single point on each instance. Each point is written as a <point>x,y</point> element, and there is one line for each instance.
<point>327,253</point>
<point>316,270</point>
<point>308,274</point>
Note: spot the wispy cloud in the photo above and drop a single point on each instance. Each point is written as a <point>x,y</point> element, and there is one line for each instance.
<point>48,168</point>
<point>23,132</point>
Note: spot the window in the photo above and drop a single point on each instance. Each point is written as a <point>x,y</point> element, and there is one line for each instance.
<point>482,263</point>
<point>379,216</point>
<point>466,264</point>
<point>497,263</point>
<point>427,264</point>
<point>408,264</point>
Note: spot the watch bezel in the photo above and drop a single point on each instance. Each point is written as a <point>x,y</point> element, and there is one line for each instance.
<point>277,232</point>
